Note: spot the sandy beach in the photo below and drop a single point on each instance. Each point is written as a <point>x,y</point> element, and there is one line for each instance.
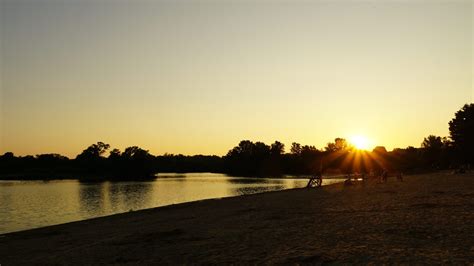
<point>427,219</point>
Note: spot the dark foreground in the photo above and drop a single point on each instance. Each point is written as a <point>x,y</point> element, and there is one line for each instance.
<point>426,219</point>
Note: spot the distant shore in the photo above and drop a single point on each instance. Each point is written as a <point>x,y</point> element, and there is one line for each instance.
<point>108,177</point>
<point>425,219</point>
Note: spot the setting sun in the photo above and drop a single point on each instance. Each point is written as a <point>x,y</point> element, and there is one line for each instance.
<point>283,116</point>
<point>360,142</point>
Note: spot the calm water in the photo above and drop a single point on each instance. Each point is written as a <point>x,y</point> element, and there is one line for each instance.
<point>32,204</point>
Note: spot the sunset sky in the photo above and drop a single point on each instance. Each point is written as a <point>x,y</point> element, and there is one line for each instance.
<point>196,77</point>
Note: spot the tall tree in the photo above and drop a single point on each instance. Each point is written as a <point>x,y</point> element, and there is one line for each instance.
<point>461,129</point>
<point>432,147</point>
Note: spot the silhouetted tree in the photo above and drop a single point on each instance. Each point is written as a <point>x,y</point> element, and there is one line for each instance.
<point>311,159</point>
<point>245,148</point>
<point>169,163</point>
<point>240,159</point>
<point>338,155</point>
<point>277,148</point>
<point>136,162</point>
<point>432,147</point>
<point>461,129</point>
<point>248,158</point>
<point>8,155</point>
<point>380,150</point>
<point>261,150</point>
<point>51,157</point>
<point>309,150</point>
<point>115,154</point>
<point>408,159</point>
<point>379,159</point>
<point>432,143</point>
<point>255,159</point>
<point>8,163</point>
<point>295,148</point>
<point>339,144</point>
<point>90,161</point>
<point>135,152</point>
<point>94,151</point>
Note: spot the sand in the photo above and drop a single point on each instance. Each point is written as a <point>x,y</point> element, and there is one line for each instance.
<point>427,219</point>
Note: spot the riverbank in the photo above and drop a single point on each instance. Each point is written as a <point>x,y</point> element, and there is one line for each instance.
<point>102,177</point>
<point>425,219</point>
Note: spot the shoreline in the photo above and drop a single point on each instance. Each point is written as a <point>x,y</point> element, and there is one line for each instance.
<point>110,177</point>
<point>335,223</point>
<point>98,179</point>
<point>153,208</point>
<point>177,205</point>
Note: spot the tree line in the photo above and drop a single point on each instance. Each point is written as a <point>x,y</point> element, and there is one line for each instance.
<point>250,158</point>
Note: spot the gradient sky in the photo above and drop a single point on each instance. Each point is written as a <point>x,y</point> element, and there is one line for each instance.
<point>196,77</point>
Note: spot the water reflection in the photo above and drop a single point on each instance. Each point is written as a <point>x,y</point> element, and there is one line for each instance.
<point>130,196</point>
<point>172,176</point>
<point>239,180</point>
<point>91,199</point>
<point>31,204</point>
<point>258,185</point>
<point>98,199</point>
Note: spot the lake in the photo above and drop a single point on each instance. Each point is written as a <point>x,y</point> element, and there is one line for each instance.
<point>31,204</point>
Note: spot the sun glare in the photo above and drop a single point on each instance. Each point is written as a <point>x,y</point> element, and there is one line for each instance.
<point>360,142</point>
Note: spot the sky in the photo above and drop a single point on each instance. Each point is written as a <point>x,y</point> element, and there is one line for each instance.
<point>196,77</point>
